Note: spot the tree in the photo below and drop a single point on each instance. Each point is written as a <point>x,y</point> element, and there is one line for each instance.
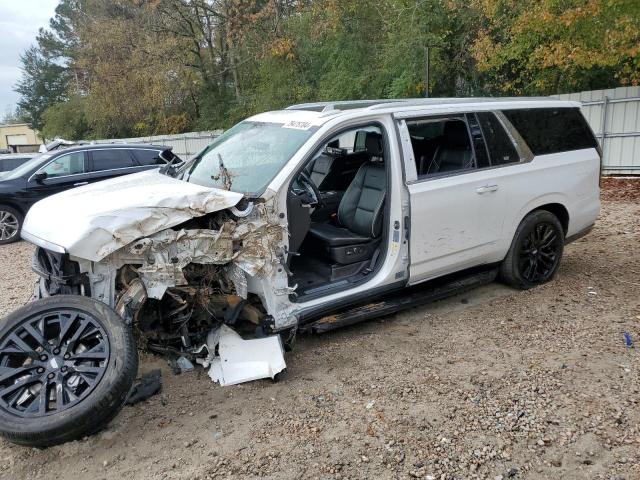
<point>43,84</point>
<point>46,72</point>
<point>547,46</point>
<point>67,120</point>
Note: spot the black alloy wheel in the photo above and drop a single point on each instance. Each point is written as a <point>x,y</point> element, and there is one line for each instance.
<point>67,364</point>
<point>535,252</point>
<point>50,362</point>
<point>538,253</point>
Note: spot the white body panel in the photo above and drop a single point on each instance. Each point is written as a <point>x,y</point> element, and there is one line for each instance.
<point>92,221</point>
<point>456,222</point>
<point>454,227</point>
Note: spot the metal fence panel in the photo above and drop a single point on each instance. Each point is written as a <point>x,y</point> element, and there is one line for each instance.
<point>618,110</point>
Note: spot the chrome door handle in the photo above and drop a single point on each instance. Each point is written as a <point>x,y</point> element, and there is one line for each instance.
<point>79,184</point>
<point>487,189</point>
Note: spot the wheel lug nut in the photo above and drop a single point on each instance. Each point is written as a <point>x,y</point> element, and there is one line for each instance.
<point>66,356</point>
<point>40,370</point>
<point>43,358</point>
<point>64,368</point>
<point>51,375</point>
<point>56,351</point>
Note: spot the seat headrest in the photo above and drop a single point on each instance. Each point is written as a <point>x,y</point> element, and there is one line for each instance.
<point>456,135</point>
<point>373,144</point>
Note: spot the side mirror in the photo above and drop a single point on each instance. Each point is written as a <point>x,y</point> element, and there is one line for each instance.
<point>40,176</point>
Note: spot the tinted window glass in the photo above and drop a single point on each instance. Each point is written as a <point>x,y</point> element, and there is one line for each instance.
<point>109,159</point>
<point>500,146</point>
<point>148,157</point>
<point>479,147</point>
<point>7,164</point>
<point>441,146</point>
<point>69,164</point>
<point>551,130</point>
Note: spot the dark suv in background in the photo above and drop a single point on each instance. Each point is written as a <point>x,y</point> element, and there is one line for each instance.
<point>60,170</point>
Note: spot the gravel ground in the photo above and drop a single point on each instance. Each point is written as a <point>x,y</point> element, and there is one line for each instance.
<point>493,384</point>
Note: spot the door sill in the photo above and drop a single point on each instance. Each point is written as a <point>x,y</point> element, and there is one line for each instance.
<point>409,297</point>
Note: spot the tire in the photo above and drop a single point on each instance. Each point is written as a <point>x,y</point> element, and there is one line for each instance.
<point>535,252</point>
<point>10,224</point>
<point>86,358</point>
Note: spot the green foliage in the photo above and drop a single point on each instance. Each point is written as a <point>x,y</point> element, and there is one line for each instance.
<point>117,68</point>
<point>43,84</point>
<point>67,120</point>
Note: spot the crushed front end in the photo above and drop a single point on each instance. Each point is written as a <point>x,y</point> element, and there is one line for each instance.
<point>189,289</point>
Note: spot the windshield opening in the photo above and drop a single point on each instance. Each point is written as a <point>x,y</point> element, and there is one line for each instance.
<point>246,157</point>
<point>27,166</point>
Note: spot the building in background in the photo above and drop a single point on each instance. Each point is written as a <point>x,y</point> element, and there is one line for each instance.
<point>19,138</point>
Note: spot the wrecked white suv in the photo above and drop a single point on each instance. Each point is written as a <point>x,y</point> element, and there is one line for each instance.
<point>310,218</point>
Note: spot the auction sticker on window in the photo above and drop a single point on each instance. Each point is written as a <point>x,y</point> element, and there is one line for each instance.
<point>297,124</point>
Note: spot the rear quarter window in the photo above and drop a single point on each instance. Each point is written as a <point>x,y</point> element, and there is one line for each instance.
<point>499,144</point>
<point>552,130</point>
<point>148,157</point>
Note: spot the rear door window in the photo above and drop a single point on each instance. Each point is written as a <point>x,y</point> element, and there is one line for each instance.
<point>443,146</point>
<point>501,148</point>
<point>69,164</point>
<point>111,159</point>
<point>148,157</point>
<point>552,130</point>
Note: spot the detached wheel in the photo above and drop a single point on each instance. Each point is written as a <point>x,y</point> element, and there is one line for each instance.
<point>10,224</point>
<point>535,252</point>
<point>67,364</point>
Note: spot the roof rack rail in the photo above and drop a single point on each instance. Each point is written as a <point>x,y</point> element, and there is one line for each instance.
<point>408,102</point>
<point>339,105</point>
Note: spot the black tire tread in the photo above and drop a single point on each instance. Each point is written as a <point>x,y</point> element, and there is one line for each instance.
<point>508,272</point>
<point>102,410</point>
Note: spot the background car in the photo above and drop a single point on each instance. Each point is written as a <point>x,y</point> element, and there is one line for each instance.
<point>60,170</point>
<point>14,160</point>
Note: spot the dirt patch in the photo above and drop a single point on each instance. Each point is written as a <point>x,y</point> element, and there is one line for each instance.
<point>497,382</point>
<point>626,189</point>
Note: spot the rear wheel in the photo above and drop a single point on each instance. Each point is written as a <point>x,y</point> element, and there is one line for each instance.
<point>10,224</point>
<point>535,252</point>
<point>67,364</point>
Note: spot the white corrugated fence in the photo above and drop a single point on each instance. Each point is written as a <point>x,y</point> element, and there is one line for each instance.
<point>614,116</point>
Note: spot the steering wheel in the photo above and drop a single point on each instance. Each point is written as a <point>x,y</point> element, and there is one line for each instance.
<point>310,189</point>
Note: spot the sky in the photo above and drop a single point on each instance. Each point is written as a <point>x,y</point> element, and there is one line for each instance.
<point>19,24</point>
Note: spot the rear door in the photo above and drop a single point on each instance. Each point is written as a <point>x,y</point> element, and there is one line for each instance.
<point>112,162</point>
<point>457,204</point>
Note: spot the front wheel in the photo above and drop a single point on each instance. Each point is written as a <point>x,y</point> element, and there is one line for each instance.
<point>535,252</point>
<point>10,224</point>
<point>67,364</point>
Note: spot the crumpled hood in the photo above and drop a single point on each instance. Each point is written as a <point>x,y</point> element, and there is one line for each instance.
<point>95,220</point>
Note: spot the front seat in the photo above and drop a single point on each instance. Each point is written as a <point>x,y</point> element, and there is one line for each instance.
<point>454,153</point>
<point>360,213</point>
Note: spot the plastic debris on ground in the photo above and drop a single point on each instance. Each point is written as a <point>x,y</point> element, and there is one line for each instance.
<point>148,386</point>
<point>242,360</point>
<point>184,364</point>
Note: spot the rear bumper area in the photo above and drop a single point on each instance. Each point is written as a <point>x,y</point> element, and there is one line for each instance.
<point>579,235</point>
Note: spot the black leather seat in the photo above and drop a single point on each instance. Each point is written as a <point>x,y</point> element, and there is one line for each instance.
<point>454,153</point>
<point>360,212</point>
